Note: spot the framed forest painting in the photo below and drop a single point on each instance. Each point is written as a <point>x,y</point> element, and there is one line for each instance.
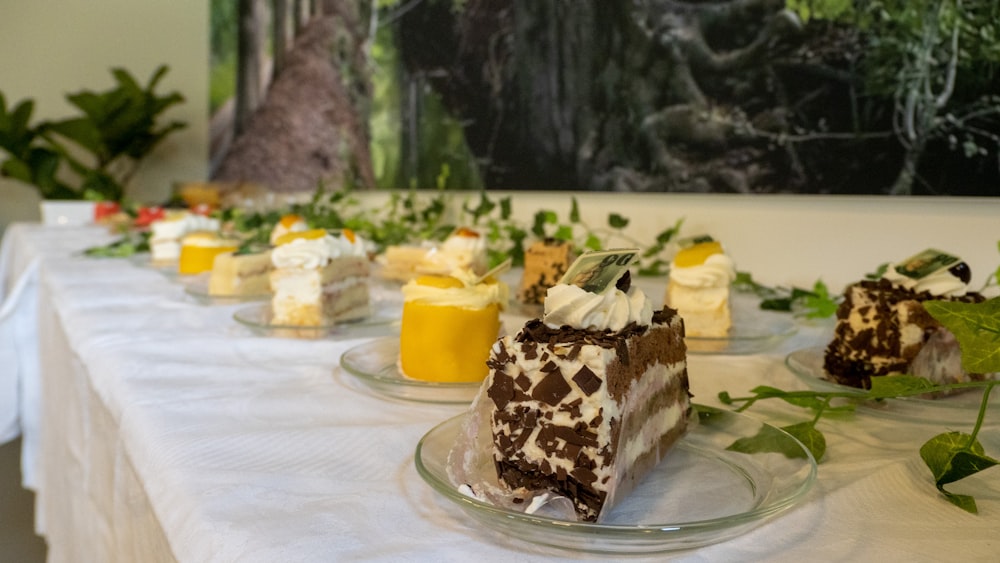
<point>896,97</point>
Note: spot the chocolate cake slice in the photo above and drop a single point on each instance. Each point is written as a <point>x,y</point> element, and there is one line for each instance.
<point>586,413</point>
<point>881,328</point>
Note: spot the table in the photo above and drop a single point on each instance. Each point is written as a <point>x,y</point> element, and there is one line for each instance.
<point>162,430</point>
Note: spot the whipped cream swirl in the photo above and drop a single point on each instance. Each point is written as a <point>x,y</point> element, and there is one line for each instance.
<point>611,309</point>
<point>310,254</point>
<point>941,283</point>
<point>717,271</point>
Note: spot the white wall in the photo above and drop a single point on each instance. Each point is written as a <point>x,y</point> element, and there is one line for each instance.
<point>53,47</point>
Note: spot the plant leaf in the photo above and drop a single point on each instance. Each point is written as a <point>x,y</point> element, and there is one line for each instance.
<point>574,211</point>
<point>767,440</point>
<point>951,457</point>
<point>811,438</point>
<point>616,221</point>
<point>888,386</point>
<point>976,326</point>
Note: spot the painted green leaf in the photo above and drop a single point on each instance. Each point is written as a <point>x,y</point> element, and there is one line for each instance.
<point>574,211</point>
<point>977,328</point>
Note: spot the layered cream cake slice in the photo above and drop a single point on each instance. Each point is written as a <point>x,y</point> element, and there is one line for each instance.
<point>318,277</point>
<point>241,274</point>
<point>699,287</point>
<point>588,399</point>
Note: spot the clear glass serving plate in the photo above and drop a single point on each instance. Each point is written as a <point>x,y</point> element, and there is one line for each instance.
<point>960,408</point>
<point>374,364</point>
<point>372,320</point>
<point>754,330</point>
<point>197,287</point>
<point>700,494</point>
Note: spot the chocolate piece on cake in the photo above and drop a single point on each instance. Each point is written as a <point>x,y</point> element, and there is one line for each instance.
<point>587,413</point>
<point>881,328</point>
<point>545,262</point>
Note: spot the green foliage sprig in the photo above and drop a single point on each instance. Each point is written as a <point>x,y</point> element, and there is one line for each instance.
<point>815,303</point>
<point>950,456</point>
<point>118,128</point>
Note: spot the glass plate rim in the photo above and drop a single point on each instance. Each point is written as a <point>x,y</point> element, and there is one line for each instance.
<point>939,405</point>
<point>197,286</point>
<point>402,382</point>
<point>266,306</point>
<point>789,327</point>
<point>664,531</point>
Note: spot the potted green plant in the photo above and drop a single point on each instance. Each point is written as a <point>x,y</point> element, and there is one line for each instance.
<point>93,156</point>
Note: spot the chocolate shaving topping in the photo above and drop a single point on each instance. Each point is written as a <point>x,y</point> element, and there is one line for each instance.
<point>501,390</point>
<point>587,380</point>
<point>551,389</point>
<point>624,283</point>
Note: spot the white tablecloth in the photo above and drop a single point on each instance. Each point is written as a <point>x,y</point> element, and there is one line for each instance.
<point>170,432</point>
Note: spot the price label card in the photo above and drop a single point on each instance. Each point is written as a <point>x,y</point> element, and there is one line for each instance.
<point>595,271</point>
<point>926,263</point>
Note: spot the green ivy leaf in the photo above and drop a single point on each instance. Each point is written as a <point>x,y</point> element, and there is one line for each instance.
<point>767,440</point>
<point>953,456</point>
<point>977,328</point>
<point>616,221</point>
<point>887,386</point>
<point>574,211</point>
<point>593,242</point>
<point>811,438</point>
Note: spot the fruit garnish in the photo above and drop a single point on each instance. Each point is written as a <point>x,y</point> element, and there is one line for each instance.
<point>149,214</point>
<point>697,254</point>
<point>443,282</point>
<point>288,220</point>
<point>105,209</point>
<point>311,234</point>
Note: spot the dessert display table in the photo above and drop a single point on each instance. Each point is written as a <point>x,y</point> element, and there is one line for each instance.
<point>157,428</point>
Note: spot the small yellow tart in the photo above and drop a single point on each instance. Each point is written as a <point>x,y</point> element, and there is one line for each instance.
<point>199,249</point>
<point>444,343</point>
<point>697,254</point>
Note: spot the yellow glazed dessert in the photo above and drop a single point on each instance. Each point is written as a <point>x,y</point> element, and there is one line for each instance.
<point>199,249</point>
<point>449,325</point>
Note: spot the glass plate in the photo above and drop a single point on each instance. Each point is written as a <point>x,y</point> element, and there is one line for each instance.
<point>962,408</point>
<point>375,319</point>
<point>145,260</point>
<point>374,364</point>
<point>700,494</point>
<point>197,287</point>
<point>753,331</point>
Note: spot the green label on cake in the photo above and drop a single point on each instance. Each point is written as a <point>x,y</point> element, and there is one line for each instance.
<point>691,241</point>
<point>926,263</point>
<point>595,271</point>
